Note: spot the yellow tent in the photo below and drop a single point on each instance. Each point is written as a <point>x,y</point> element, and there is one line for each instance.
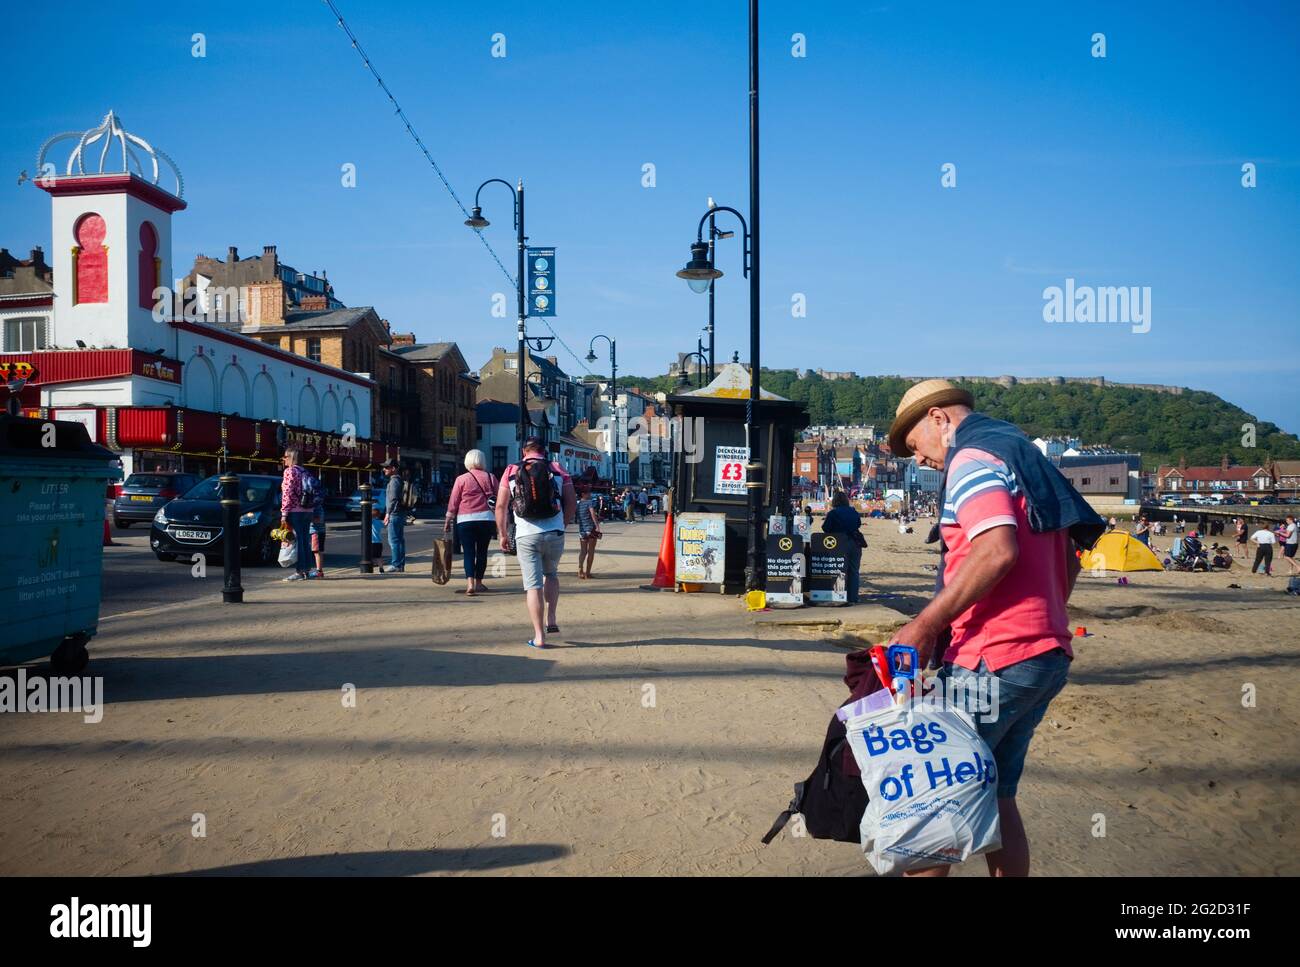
<point>1118,551</point>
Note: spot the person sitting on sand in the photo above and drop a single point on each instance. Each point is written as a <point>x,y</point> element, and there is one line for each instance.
<point>1010,523</point>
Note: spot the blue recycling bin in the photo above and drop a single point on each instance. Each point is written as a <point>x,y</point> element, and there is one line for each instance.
<point>52,489</point>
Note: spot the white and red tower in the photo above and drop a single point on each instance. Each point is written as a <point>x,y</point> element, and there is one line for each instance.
<point>111,236</point>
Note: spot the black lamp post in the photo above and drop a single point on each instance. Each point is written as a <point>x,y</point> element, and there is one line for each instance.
<point>682,377</point>
<point>477,222</point>
<point>714,234</point>
<point>700,274</point>
<point>614,449</point>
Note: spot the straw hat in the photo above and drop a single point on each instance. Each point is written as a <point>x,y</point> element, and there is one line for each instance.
<point>916,402</point>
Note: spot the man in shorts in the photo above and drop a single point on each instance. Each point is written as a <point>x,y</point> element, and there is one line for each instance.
<point>1292,542</point>
<point>539,541</point>
<point>1003,582</point>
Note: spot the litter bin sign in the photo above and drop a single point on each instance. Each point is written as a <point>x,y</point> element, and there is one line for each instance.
<point>52,481</point>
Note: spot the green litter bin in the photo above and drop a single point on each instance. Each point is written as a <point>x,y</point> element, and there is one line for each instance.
<point>52,488</point>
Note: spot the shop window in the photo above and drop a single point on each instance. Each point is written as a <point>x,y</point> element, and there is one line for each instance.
<point>24,335</point>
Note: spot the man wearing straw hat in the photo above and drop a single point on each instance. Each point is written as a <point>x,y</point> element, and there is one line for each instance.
<point>1008,522</point>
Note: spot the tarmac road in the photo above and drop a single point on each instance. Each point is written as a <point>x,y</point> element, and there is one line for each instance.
<point>136,581</point>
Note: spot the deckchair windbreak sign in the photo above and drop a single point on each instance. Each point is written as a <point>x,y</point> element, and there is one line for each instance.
<point>729,470</point>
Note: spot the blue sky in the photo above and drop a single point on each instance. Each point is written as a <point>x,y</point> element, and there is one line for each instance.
<point>1117,171</point>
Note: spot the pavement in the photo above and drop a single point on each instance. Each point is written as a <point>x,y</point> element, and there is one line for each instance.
<point>598,755</point>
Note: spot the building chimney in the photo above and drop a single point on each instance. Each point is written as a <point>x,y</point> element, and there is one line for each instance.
<point>1224,464</point>
<point>268,250</point>
<point>313,303</point>
<point>265,304</point>
<point>404,339</point>
<point>1182,462</point>
<point>232,255</point>
<point>553,360</point>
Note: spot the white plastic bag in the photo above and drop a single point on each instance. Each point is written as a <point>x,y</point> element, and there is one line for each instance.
<point>931,783</point>
<point>288,554</point>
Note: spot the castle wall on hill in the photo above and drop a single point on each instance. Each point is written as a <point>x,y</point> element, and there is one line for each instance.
<point>1055,381</point>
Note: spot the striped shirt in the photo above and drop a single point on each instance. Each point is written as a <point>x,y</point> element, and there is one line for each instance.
<point>1024,614</point>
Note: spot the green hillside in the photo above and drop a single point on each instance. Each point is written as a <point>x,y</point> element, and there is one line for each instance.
<point>1161,426</point>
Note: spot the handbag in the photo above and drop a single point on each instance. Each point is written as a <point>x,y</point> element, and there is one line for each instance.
<point>441,560</point>
<point>859,539</point>
<point>491,501</point>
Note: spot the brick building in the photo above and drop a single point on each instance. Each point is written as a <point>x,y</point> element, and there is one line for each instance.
<point>26,302</point>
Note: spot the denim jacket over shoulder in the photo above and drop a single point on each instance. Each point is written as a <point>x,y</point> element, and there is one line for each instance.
<point>1051,502</point>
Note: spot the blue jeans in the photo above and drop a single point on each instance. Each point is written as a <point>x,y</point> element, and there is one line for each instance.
<point>300,522</point>
<point>397,539</point>
<point>475,536</point>
<point>1022,692</point>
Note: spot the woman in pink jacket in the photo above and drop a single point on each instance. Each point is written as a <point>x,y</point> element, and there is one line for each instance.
<point>471,510</point>
<point>292,512</point>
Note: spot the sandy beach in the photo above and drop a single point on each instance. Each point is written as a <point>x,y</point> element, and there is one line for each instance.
<point>661,737</point>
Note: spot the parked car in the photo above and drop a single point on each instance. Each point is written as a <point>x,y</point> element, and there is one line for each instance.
<point>143,493</point>
<point>353,509</point>
<point>192,523</point>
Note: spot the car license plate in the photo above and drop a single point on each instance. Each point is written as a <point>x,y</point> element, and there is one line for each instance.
<point>193,535</point>
<point>144,497</point>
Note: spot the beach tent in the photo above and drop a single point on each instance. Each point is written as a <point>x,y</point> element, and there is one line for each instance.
<point>1118,551</point>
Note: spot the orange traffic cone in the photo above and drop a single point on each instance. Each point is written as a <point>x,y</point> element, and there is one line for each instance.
<point>108,534</point>
<point>666,570</point>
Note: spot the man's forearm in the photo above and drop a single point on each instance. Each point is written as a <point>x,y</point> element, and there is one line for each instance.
<point>988,563</point>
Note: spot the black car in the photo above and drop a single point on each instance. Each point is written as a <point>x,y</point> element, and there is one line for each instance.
<point>192,523</point>
<point>143,493</point>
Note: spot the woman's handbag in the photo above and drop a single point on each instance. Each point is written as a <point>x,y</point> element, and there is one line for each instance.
<point>491,500</point>
<point>859,539</point>
<point>441,560</point>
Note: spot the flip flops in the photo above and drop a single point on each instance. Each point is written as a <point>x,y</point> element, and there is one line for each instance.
<point>552,629</point>
<point>534,644</point>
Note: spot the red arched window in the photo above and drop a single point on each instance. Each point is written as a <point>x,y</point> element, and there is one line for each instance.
<point>148,267</point>
<point>90,260</point>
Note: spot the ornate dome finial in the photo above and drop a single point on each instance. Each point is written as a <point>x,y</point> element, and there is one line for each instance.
<point>110,130</point>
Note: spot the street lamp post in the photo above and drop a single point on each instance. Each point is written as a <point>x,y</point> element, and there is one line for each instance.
<point>700,273</point>
<point>477,222</point>
<point>714,235</point>
<point>613,395</point>
<point>682,378</point>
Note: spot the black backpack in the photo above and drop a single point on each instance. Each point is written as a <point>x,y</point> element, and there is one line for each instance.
<point>833,799</point>
<point>533,490</point>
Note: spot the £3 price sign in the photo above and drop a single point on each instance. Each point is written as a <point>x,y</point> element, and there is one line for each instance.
<point>729,470</point>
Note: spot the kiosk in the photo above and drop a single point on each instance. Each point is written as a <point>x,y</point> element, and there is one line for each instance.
<point>710,455</point>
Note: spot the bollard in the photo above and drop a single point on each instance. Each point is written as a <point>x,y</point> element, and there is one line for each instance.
<point>233,592</point>
<point>367,565</point>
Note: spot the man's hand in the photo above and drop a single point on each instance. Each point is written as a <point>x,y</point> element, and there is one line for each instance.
<point>385,520</point>
<point>922,634</point>
<point>505,545</point>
